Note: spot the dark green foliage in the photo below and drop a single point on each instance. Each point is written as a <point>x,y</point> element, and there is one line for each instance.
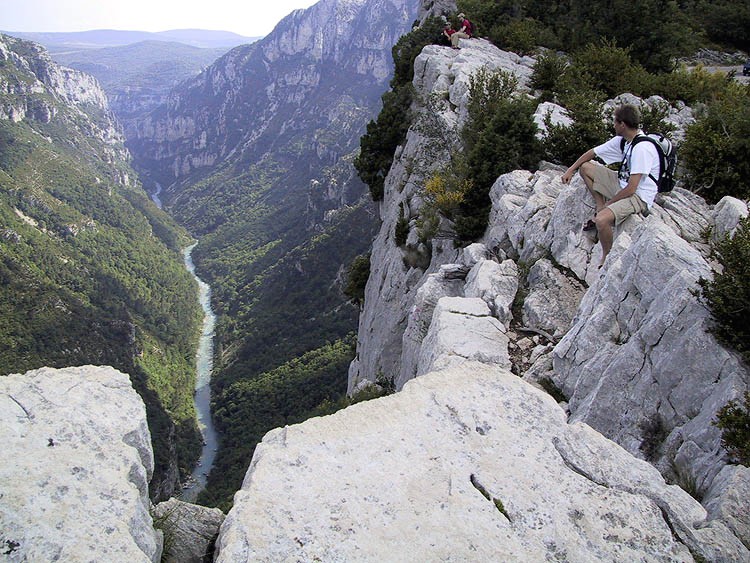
<point>288,394</point>
<point>383,136</point>
<point>653,120</point>
<point>656,30</point>
<point>388,131</point>
<point>728,294</point>
<point>500,137</point>
<point>606,68</point>
<point>402,227</point>
<point>523,35</point>
<point>716,147</point>
<point>548,69</point>
<point>734,421</point>
<point>727,22</point>
<point>564,144</point>
<point>359,272</point>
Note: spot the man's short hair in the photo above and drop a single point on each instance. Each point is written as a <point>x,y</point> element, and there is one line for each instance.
<point>629,115</point>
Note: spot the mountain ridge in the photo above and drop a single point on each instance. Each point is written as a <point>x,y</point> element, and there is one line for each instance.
<point>97,38</point>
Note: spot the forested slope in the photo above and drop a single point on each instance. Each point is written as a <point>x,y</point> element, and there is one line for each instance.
<point>90,269</point>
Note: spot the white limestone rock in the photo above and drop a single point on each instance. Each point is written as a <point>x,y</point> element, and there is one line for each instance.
<point>727,500</point>
<point>435,287</point>
<point>726,216</point>
<point>463,329</point>
<point>189,530</point>
<point>496,284</point>
<point>552,300</point>
<point>558,116</point>
<point>466,464</point>
<point>639,360</point>
<point>76,464</point>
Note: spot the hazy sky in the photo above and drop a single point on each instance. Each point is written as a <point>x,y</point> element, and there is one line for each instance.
<point>249,17</point>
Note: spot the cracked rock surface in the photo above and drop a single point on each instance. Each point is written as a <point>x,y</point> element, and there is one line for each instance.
<point>466,464</point>
<point>76,464</point>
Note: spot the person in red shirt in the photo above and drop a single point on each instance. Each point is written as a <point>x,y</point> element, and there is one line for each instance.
<point>448,31</point>
<point>464,32</point>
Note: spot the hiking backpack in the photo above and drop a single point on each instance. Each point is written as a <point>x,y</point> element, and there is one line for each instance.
<point>667,159</point>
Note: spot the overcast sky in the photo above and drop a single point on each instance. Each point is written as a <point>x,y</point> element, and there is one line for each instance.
<point>250,18</point>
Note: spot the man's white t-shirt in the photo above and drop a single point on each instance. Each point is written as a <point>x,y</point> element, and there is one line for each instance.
<point>639,159</point>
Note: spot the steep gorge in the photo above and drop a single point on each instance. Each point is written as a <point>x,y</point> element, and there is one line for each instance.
<point>91,271</point>
<point>255,158</point>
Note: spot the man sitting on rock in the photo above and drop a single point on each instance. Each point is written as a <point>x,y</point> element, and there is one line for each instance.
<point>618,194</point>
<point>464,31</point>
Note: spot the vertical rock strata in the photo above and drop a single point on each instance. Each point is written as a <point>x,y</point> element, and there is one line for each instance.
<point>76,464</point>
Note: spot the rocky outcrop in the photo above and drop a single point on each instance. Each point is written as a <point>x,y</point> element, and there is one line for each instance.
<point>626,346</point>
<point>77,460</point>
<point>469,463</point>
<point>441,78</point>
<point>189,530</point>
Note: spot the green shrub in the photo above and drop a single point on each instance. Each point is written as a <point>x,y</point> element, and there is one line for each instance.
<point>499,137</point>
<point>359,272</point>
<point>548,69</point>
<point>564,144</point>
<point>728,294</point>
<point>607,68</point>
<point>716,147</point>
<point>522,36</point>
<point>697,85</point>
<point>445,191</point>
<point>402,227</point>
<point>734,421</point>
<point>653,119</point>
<point>383,136</point>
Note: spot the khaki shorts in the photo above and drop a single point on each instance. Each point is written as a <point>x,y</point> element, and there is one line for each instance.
<point>607,184</point>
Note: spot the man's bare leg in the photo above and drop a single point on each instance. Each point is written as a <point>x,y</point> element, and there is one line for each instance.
<point>605,222</point>
<point>587,173</point>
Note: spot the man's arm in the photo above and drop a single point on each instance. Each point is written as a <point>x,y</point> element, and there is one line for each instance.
<point>585,157</point>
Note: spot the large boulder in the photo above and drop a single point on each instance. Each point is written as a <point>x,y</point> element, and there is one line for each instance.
<point>76,464</point>
<point>189,530</point>
<point>467,464</point>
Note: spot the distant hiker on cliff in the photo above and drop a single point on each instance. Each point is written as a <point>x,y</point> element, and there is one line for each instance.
<point>618,194</point>
<point>448,32</point>
<point>464,31</point>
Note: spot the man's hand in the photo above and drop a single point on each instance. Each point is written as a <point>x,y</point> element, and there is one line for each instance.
<point>568,176</point>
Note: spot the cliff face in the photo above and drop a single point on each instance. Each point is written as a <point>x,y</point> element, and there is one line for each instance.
<point>39,89</point>
<point>333,57</point>
<point>627,345</point>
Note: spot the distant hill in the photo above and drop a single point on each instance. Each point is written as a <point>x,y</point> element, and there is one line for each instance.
<point>145,64</point>
<point>95,39</point>
<point>137,77</point>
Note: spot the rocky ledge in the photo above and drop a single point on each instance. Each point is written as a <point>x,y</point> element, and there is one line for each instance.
<point>76,464</point>
<point>470,463</point>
